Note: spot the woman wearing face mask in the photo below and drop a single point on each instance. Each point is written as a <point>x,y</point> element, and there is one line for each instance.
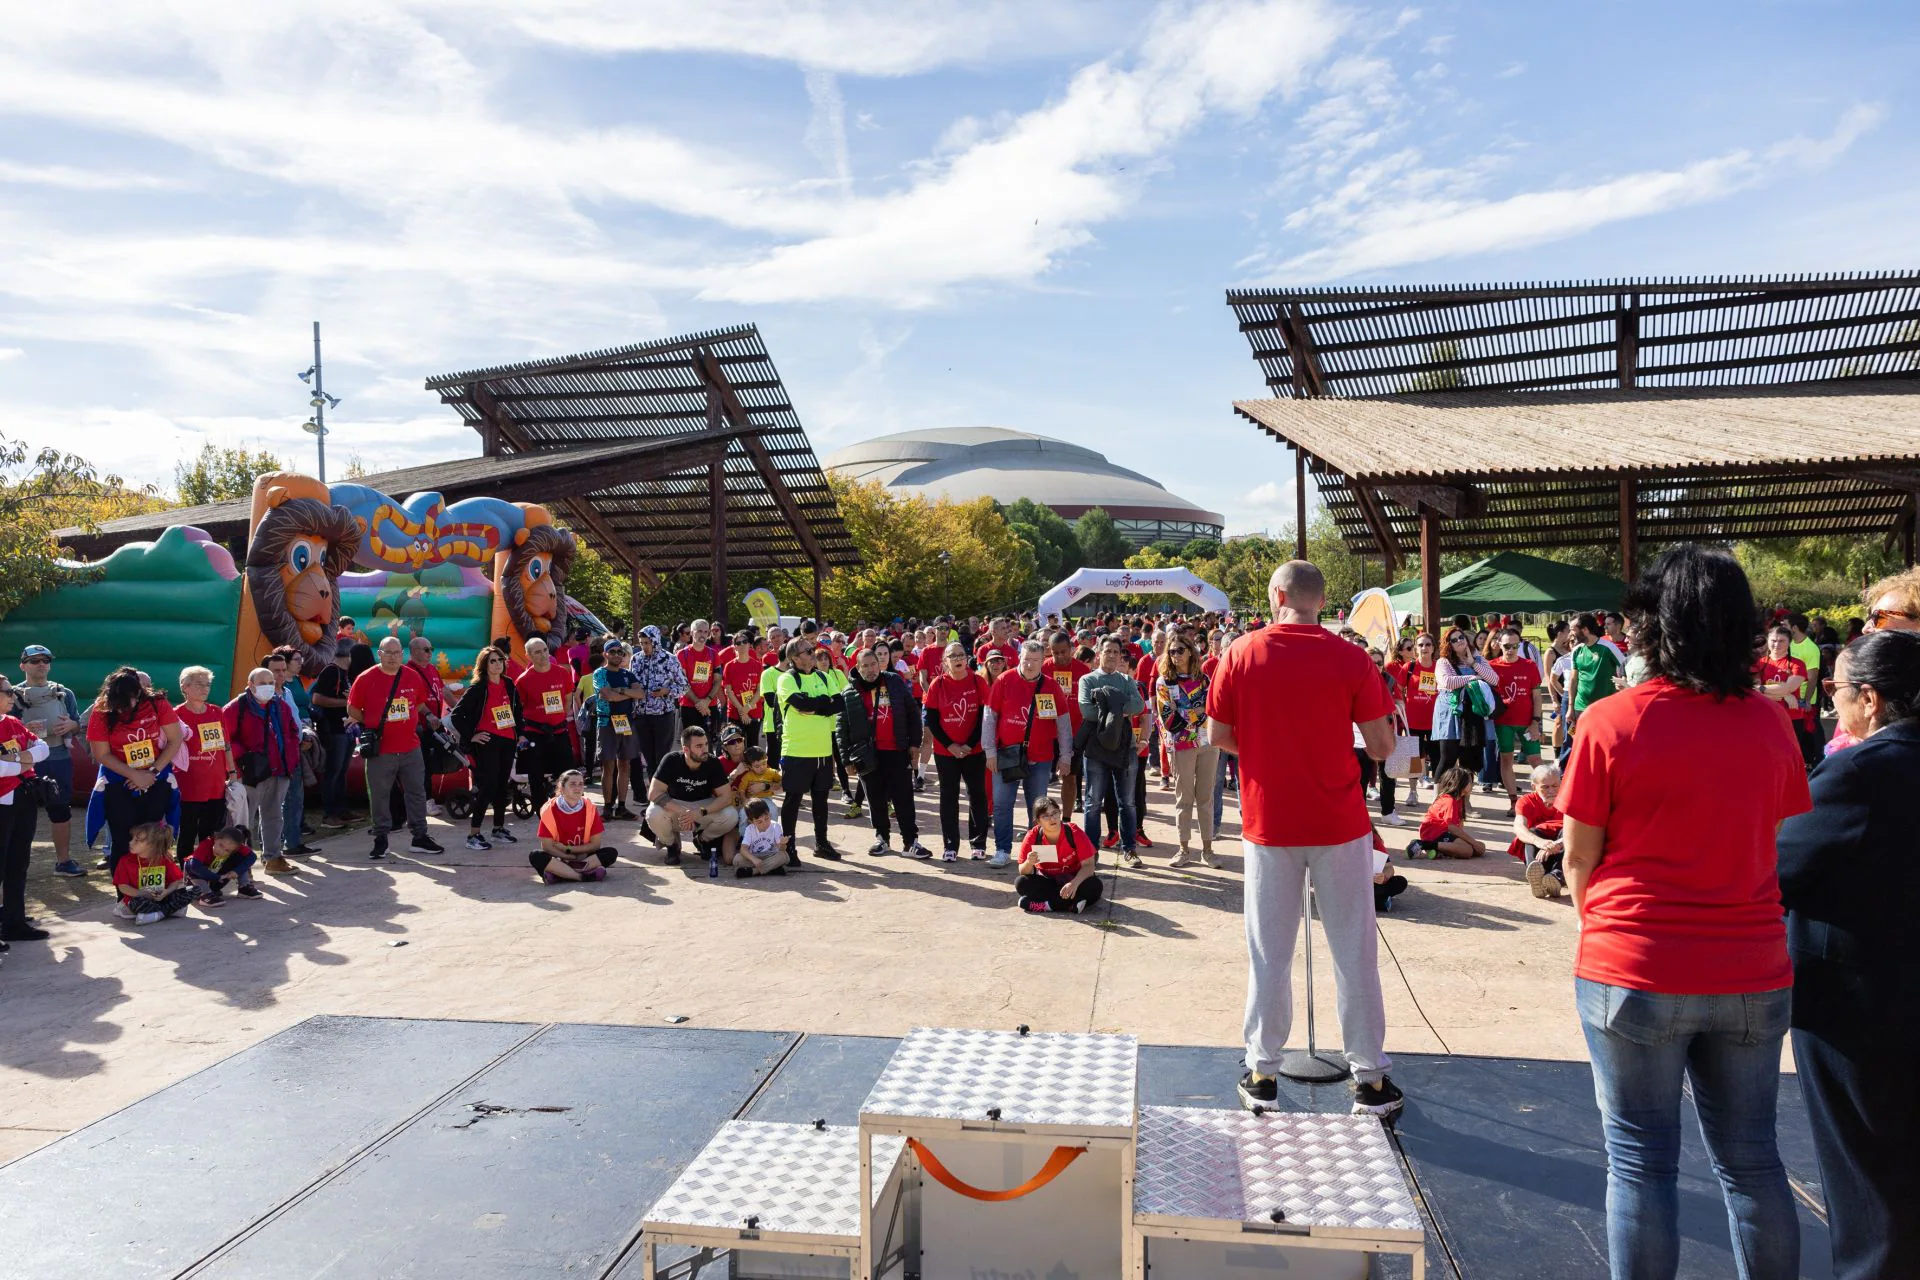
<point>265,741</point>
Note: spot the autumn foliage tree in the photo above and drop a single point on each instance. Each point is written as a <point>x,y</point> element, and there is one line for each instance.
<point>42,491</point>
<point>901,538</point>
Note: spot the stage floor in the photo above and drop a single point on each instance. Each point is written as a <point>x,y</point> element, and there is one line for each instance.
<point>385,1147</point>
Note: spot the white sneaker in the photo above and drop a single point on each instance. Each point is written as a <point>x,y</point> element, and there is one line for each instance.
<point>1393,819</point>
<point>122,911</point>
<point>951,855</point>
<point>150,917</point>
<point>1000,860</point>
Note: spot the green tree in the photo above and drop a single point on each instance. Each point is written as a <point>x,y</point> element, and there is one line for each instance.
<point>1102,545</point>
<point>42,492</point>
<point>901,537</point>
<point>1056,551</point>
<point>218,474</point>
<point>1439,379</point>
<point>1199,549</point>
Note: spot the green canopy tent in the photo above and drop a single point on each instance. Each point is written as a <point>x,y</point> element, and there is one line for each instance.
<point>1511,582</point>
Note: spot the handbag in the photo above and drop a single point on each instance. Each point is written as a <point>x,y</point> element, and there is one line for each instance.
<point>1400,760</point>
<point>370,735</point>
<point>1014,759</point>
<point>254,768</point>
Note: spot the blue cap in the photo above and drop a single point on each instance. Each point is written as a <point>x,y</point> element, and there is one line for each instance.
<point>36,651</point>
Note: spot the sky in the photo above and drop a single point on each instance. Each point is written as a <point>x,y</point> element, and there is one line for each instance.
<point>1020,213</point>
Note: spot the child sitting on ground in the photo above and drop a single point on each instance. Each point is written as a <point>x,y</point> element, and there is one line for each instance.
<point>763,851</point>
<point>753,778</point>
<point>570,831</point>
<point>1536,834</point>
<point>1387,884</point>
<point>1443,831</point>
<point>1056,864</point>
<point>151,884</point>
<point>221,857</point>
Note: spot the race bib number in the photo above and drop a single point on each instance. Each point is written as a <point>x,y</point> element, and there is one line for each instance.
<point>399,711</point>
<point>1429,682</point>
<point>153,879</point>
<point>138,754</point>
<point>213,736</point>
<point>1043,706</point>
<point>503,718</point>
<point>10,746</point>
<point>882,704</point>
<point>750,699</point>
<point>621,725</point>
<point>1066,680</point>
<point>552,702</point>
<point>702,672</point>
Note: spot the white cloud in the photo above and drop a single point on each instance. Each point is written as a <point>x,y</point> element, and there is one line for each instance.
<point>11,353</point>
<point>827,130</point>
<point>1395,211</point>
<point>71,178</point>
<point>1270,494</point>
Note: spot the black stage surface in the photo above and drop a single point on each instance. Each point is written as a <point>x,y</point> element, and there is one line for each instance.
<point>382,1147</point>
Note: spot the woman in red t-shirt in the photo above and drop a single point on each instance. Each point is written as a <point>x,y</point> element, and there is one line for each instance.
<point>488,720</point>
<point>135,737</point>
<point>207,762</point>
<point>1673,791</point>
<point>1056,865</point>
<point>1781,676</point>
<point>570,833</point>
<point>954,703</point>
<point>1421,686</point>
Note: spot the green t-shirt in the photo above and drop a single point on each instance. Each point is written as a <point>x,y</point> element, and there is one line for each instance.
<point>1594,667</point>
<point>1808,652</point>
<point>769,692</point>
<point>803,734</point>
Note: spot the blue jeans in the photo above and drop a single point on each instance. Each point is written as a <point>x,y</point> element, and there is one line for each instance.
<point>1101,776</point>
<point>1644,1046</point>
<point>1036,778</point>
<point>293,814</point>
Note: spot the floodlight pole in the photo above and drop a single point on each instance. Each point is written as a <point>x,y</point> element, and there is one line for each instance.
<point>319,404</point>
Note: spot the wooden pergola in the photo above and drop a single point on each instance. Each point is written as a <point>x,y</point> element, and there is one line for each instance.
<point>1492,418</point>
<point>757,501</point>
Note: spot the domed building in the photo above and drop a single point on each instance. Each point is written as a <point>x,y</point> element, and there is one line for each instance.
<point>964,463</point>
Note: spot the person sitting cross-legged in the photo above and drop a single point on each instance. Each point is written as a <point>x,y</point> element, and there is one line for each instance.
<point>689,795</point>
<point>1056,864</point>
<point>225,855</point>
<point>1537,834</point>
<point>570,831</point>
<point>763,849</point>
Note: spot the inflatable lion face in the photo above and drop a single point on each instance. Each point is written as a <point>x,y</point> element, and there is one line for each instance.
<point>295,558</point>
<point>533,582</point>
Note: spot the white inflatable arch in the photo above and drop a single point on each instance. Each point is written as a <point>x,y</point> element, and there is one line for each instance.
<point>1175,582</point>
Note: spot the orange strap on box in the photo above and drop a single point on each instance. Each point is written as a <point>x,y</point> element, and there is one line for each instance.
<point>1056,1165</point>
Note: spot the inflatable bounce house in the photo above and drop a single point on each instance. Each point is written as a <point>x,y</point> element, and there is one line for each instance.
<point>315,553</point>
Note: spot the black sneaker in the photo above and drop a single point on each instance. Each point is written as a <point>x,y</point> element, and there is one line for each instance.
<point>779,870</point>
<point>1259,1093</point>
<point>673,855</point>
<point>879,848</point>
<point>425,844</point>
<point>248,891</point>
<point>502,834</point>
<point>827,851</point>
<point>303,849</point>
<point>379,849</point>
<point>743,873</point>
<point>919,782</point>
<point>1381,1099</point>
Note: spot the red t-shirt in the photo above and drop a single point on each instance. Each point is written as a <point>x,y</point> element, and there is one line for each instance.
<point>1518,679</point>
<point>1770,671</point>
<point>1070,851</point>
<point>1420,687</point>
<point>434,683</point>
<point>397,721</point>
<point>702,665</point>
<point>929,663</point>
<point>1013,699</point>
<point>880,714</point>
<point>570,828</point>
<point>1009,650</point>
<point>1293,693</point>
<point>1068,679</point>
<point>148,879</point>
<point>1398,670</point>
<point>1686,899</point>
<point>140,741</point>
<point>15,736</point>
<point>206,773</point>
<point>496,717</point>
<point>957,704</point>
<point>742,675</point>
<point>1540,817</point>
<point>1444,812</point>
<point>543,694</point>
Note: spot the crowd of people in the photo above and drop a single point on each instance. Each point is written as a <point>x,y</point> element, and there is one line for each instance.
<point>1646,759</point>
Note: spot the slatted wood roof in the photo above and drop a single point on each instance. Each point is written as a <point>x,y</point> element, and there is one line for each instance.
<point>779,512</point>
<point>1554,415</point>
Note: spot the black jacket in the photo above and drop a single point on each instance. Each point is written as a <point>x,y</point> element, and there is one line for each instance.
<point>1849,927</point>
<point>856,730</point>
<point>473,705</point>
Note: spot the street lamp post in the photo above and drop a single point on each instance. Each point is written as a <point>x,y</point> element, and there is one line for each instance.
<point>946,582</point>
<point>316,426</point>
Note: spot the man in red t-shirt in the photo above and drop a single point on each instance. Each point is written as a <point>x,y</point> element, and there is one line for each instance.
<point>999,640</point>
<point>420,658</point>
<point>547,706</point>
<point>1516,725</point>
<point>1286,700</point>
<point>1024,717</point>
<point>1065,670</point>
<point>702,703</point>
<point>740,672</point>
<point>387,702</point>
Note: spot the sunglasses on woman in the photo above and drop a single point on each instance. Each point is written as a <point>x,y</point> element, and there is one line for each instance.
<point>1879,617</point>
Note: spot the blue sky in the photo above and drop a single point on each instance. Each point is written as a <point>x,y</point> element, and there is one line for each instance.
<point>1012,213</point>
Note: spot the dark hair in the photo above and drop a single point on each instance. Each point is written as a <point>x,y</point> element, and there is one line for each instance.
<point>1890,662</point>
<point>122,695</point>
<point>480,660</point>
<point>1694,613</point>
<point>237,834</point>
<point>691,732</point>
<point>1587,622</point>
<point>1455,782</point>
<point>752,755</point>
<point>757,809</point>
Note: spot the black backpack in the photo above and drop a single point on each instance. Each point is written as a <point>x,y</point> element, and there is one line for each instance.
<point>1112,733</point>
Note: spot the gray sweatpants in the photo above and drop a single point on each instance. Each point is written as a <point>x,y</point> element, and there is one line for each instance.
<point>411,770</point>
<point>266,809</point>
<point>1343,889</point>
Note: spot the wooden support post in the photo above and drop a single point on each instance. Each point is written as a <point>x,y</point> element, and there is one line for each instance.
<point>1629,531</point>
<point>717,499</point>
<point>1913,532</point>
<point>1430,569</point>
<point>1299,503</point>
<point>633,603</point>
